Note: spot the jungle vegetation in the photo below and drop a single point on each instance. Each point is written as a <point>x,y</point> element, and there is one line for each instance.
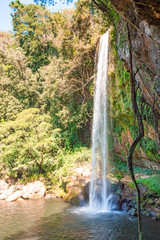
<point>47,83</point>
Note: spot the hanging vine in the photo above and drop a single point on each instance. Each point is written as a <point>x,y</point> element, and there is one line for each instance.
<point>138,138</point>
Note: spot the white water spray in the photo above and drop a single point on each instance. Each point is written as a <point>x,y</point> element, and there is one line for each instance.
<point>98,187</point>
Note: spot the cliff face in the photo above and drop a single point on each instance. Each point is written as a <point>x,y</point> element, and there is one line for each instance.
<point>143,18</point>
<point>140,156</point>
<point>146,9</point>
<point>144,26</point>
<point>146,61</point>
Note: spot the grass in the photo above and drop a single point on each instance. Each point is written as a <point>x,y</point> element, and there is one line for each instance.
<point>153,183</point>
<point>119,167</point>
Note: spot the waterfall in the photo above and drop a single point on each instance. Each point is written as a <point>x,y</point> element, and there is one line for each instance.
<point>98,187</point>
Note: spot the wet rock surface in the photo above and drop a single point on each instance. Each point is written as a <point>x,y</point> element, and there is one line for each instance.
<point>150,202</point>
<point>76,187</point>
<point>123,197</point>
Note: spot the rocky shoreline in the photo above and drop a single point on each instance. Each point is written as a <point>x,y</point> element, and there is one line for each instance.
<point>150,201</point>
<point>76,191</point>
<point>21,192</point>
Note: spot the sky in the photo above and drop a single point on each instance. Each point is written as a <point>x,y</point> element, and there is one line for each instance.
<point>5,11</point>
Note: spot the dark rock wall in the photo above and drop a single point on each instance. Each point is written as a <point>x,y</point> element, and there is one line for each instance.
<point>145,36</point>
<point>143,19</point>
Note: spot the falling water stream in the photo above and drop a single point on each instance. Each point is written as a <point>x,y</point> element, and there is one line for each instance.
<point>98,188</point>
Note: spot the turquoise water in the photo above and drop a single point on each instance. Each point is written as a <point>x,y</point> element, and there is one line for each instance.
<point>56,220</point>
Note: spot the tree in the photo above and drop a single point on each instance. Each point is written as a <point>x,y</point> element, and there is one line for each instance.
<point>19,86</point>
<point>68,93</point>
<point>34,28</point>
<point>28,144</point>
<point>51,2</point>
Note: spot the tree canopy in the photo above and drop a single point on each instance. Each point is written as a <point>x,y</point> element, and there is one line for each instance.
<point>53,90</point>
<point>47,71</point>
<point>34,28</point>
<point>51,2</point>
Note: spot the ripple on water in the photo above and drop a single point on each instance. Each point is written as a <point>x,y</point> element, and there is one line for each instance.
<point>56,220</point>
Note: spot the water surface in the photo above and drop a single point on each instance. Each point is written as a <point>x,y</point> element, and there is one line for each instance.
<point>57,220</point>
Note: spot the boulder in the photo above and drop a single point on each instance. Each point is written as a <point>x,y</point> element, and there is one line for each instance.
<point>157,201</point>
<point>78,200</point>
<point>5,190</point>
<point>33,190</point>
<point>16,195</point>
<point>20,200</point>
<point>153,213</point>
<point>3,196</point>
<point>3,186</point>
<point>85,191</point>
<point>113,184</point>
<point>150,194</point>
<point>10,191</point>
<point>50,195</point>
<point>115,187</point>
<point>146,212</point>
<point>132,212</point>
<point>125,207</point>
<point>132,203</point>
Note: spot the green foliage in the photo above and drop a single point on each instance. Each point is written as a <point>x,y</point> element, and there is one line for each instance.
<point>119,169</point>
<point>120,98</point>
<point>122,112</point>
<point>34,28</point>
<point>46,96</point>
<point>149,147</point>
<point>152,183</point>
<point>63,88</point>
<point>50,2</point>
<point>112,16</point>
<point>70,87</point>
<point>29,144</point>
<point>66,161</point>
<point>47,72</point>
<point>19,87</point>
